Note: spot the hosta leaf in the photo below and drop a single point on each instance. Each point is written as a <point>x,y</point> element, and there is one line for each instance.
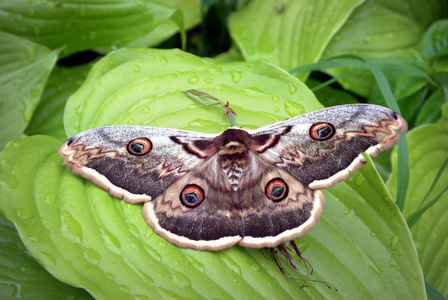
<point>24,69</point>
<point>81,25</point>
<point>191,17</point>
<point>89,239</point>
<point>428,148</point>
<point>378,29</point>
<point>22,276</point>
<point>131,86</point>
<point>48,116</point>
<point>288,33</point>
<point>435,41</point>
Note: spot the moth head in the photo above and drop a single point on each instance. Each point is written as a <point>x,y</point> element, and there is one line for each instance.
<point>192,195</point>
<point>140,146</point>
<point>276,189</point>
<point>322,131</point>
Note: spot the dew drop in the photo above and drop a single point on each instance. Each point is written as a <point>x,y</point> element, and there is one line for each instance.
<point>180,280</point>
<point>4,162</point>
<point>36,30</point>
<point>146,109</point>
<point>232,265</point>
<point>198,265</point>
<point>16,17</point>
<point>255,267</point>
<point>208,80</point>
<point>110,239</point>
<point>370,262</point>
<point>134,230</point>
<point>70,227</point>
<point>92,35</point>
<point>11,181</point>
<point>153,253</point>
<point>193,79</point>
<point>372,234</point>
<point>34,239</point>
<point>275,99</point>
<point>123,288</point>
<point>135,245</point>
<point>78,110</point>
<point>50,198</point>
<point>149,232</point>
<point>141,3</point>
<point>136,68</point>
<point>392,264</point>
<point>156,87</point>
<point>236,75</point>
<point>394,243</point>
<point>24,213</point>
<point>293,108</point>
<point>276,109</point>
<point>292,89</point>
<point>360,179</point>
<point>45,259</point>
<point>92,256</point>
<point>381,208</point>
<point>163,60</point>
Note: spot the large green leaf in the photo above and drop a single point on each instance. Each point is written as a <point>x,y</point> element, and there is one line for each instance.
<point>87,238</point>
<point>81,25</point>
<point>288,33</point>
<point>132,86</point>
<point>21,275</point>
<point>24,69</point>
<point>428,148</point>
<point>382,28</point>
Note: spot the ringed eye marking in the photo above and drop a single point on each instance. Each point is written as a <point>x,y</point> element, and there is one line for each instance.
<point>139,146</point>
<point>192,195</point>
<point>322,131</point>
<point>276,189</point>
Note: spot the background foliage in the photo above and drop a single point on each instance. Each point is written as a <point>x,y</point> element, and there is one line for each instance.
<point>67,66</point>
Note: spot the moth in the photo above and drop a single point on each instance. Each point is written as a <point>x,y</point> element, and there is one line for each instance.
<point>256,188</point>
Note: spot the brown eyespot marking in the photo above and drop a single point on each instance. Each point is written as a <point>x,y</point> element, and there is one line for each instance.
<point>139,146</point>
<point>322,131</point>
<point>192,195</point>
<point>276,189</point>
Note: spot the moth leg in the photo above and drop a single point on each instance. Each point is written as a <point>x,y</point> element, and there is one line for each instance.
<point>228,112</point>
<point>285,251</point>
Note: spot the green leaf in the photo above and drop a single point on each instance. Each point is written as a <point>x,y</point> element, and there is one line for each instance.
<point>87,238</point>
<point>22,276</point>
<point>24,69</point>
<point>435,40</point>
<point>432,109</point>
<point>131,86</point>
<point>428,147</point>
<point>81,25</point>
<point>379,29</point>
<point>295,36</point>
<point>191,17</point>
<point>48,116</point>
